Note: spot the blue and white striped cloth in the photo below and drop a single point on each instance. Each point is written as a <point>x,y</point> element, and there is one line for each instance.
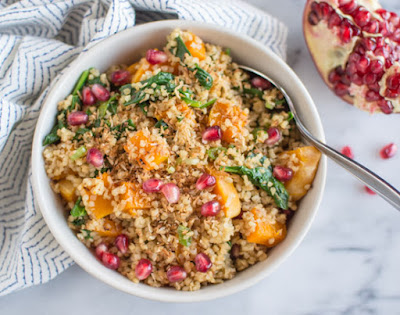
<point>38,38</point>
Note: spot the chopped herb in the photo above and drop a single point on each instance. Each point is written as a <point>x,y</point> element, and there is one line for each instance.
<point>104,106</point>
<point>179,118</point>
<point>197,104</point>
<point>52,137</point>
<point>280,102</point>
<point>95,80</point>
<point>253,92</point>
<point>181,48</point>
<point>88,232</point>
<point>187,93</point>
<point>290,116</point>
<point>79,221</point>
<point>80,132</point>
<point>256,131</point>
<point>214,152</point>
<point>81,82</point>
<point>144,107</point>
<point>78,210</point>
<point>97,123</point>
<point>102,170</point>
<point>205,79</point>
<point>80,152</point>
<point>182,234</point>
<point>228,51</point>
<point>127,125</point>
<point>75,100</point>
<point>161,123</point>
<point>229,243</point>
<point>262,178</point>
<point>89,112</point>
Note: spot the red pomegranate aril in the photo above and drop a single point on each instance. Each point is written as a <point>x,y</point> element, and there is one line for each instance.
<point>369,78</point>
<point>121,242</point>
<point>369,43</point>
<point>77,118</point>
<point>383,28</point>
<point>171,192</point>
<point>274,135</point>
<point>120,77</point>
<point>211,208</point>
<point>388,151</point>
<point>203,262</point>
<point>110,260</point>
<point>95,157</point>
<point>354,58</point>
<point>313,18</point>
<point>395,36</point>
<point>376,66</point>
<point>101,93</point>
<point>362,17</point>
<point>152,185</point>
<point>282,174</point>
<point>341,89</point>
<point>154,56</point>
<point>88,97</point>
<point>205,181</point>
<point>176,274</point>
<point>372,27</point>
<point>369,190</point>
<point>333,76</point>
<point>363,64</point>
<point>345,79</point>
<point>348,7</point>
<point>391,93</point>
<point>374,87</point>
<point>325,10</point>
<point>351,68</point>
<point>380,41</point>
<point>212,133</point>
<point>143,269</point>
<point>100,250</point>
<point>393,82</point>
<point>260,83</point>
<point>356,79</point>
<point>383,13</point>
<point>372,96</point>
<point>347,151</point>
<point>346,32</point>
<point>334,20</point>
<point>385,106</point>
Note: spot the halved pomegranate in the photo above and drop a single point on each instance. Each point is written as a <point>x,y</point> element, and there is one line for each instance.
<point>355,45</point>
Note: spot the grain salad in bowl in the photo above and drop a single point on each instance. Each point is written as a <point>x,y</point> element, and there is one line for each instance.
<point>178,170</point>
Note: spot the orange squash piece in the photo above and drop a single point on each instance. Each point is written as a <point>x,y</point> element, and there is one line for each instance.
<point>196,47</point>
<point>67,189</point>
<point>138,69</point>
<point>186,111</point>
<point>265,233</point>
<point>108,229</point>
<point>134,197</point>
<point>148,153</point>
<point>223,111</point>
<point>308,160</point>
<point>227,194</point>
<point>102,207</point>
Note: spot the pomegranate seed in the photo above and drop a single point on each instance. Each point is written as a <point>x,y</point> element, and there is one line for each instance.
<point>143,269</point>
<point>345,80</point>
<point>212,133</point>
<point>372,96</point>
<point>354,58</point>
<point>374,87</point>
<point>368,43</point>
<point>362,17</point>
<point>235,251</point>
<point>211,208</point>
<point>100,250</point>
<point>381,51</point>
<point>341,89</point>
<point>203,262</point>
<point>385,106</point>
<point>388,151</point>
<point>334,20</point>
<point>95,157</point>
<point>356,79</point>
<point>154,56</point>
<point>372,27</point>
<point>110,260</point>
<point>391,93</point>
<point>393,82</point>
<point>346,32</point>
<point>348,7</point>
<point>363,64</point>
<point>351,68</point>
<point>261,83</point>
<point>376,66</point>
<point>325,10</point>
<point>152,185</point>
<point>369,78</point>
<point>313,18</point>
<point>347,151</point>
<point>88,97</point>
<point>176,274</point>
<point>274,135</point>
<point>205,180</point>
<point>380,41</point>
<point>383,13</point>
<point>121,242</point>
<point>171,192</point>
<point>388,63</point>
<point>77,118</point>
<point>120,77</point>
<point>101,93</point>
<point>383,28</point>
<point>282,174</point>
<point>369,190</point>
<point>396,36</point>
<point>333,77</point>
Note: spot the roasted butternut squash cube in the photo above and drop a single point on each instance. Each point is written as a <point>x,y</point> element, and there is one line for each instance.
<point>230,118</point>
<point>138,69</point>
<point>108,229</point>
<point>196,47</point>
<point>99,206</point>
<point>183,110</point>
<point>266,233</point>
<point>307,164</point>
<point>134,197</point>
<point>67,189</point>
<point>147,149</point>
<point>227,194</point>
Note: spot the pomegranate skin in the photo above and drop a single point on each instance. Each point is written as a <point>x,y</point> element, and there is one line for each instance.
<point>361,39</point>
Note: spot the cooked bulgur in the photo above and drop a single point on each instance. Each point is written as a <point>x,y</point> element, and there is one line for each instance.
<point>145,156</point>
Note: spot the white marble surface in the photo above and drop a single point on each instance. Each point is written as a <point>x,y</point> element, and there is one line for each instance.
<point>349,261</point>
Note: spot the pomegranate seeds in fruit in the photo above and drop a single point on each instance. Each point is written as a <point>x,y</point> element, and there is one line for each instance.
<point>347,151</point>
<point>388,151</point>
<point>354,45</point>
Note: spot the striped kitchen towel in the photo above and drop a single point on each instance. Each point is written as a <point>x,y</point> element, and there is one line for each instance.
<point>38,38</point>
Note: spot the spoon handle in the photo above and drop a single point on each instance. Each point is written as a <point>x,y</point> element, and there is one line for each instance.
<point>375,182</point>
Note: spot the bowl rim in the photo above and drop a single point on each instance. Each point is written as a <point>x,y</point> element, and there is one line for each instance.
<point>111,277</point>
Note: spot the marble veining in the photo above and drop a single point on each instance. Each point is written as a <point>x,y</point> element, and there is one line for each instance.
<point>347,264</point>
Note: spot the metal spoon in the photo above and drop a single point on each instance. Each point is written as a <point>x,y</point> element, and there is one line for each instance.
<point>376,183</point>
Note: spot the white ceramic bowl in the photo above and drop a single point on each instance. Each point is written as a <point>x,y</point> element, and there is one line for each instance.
<point>126,47</point>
